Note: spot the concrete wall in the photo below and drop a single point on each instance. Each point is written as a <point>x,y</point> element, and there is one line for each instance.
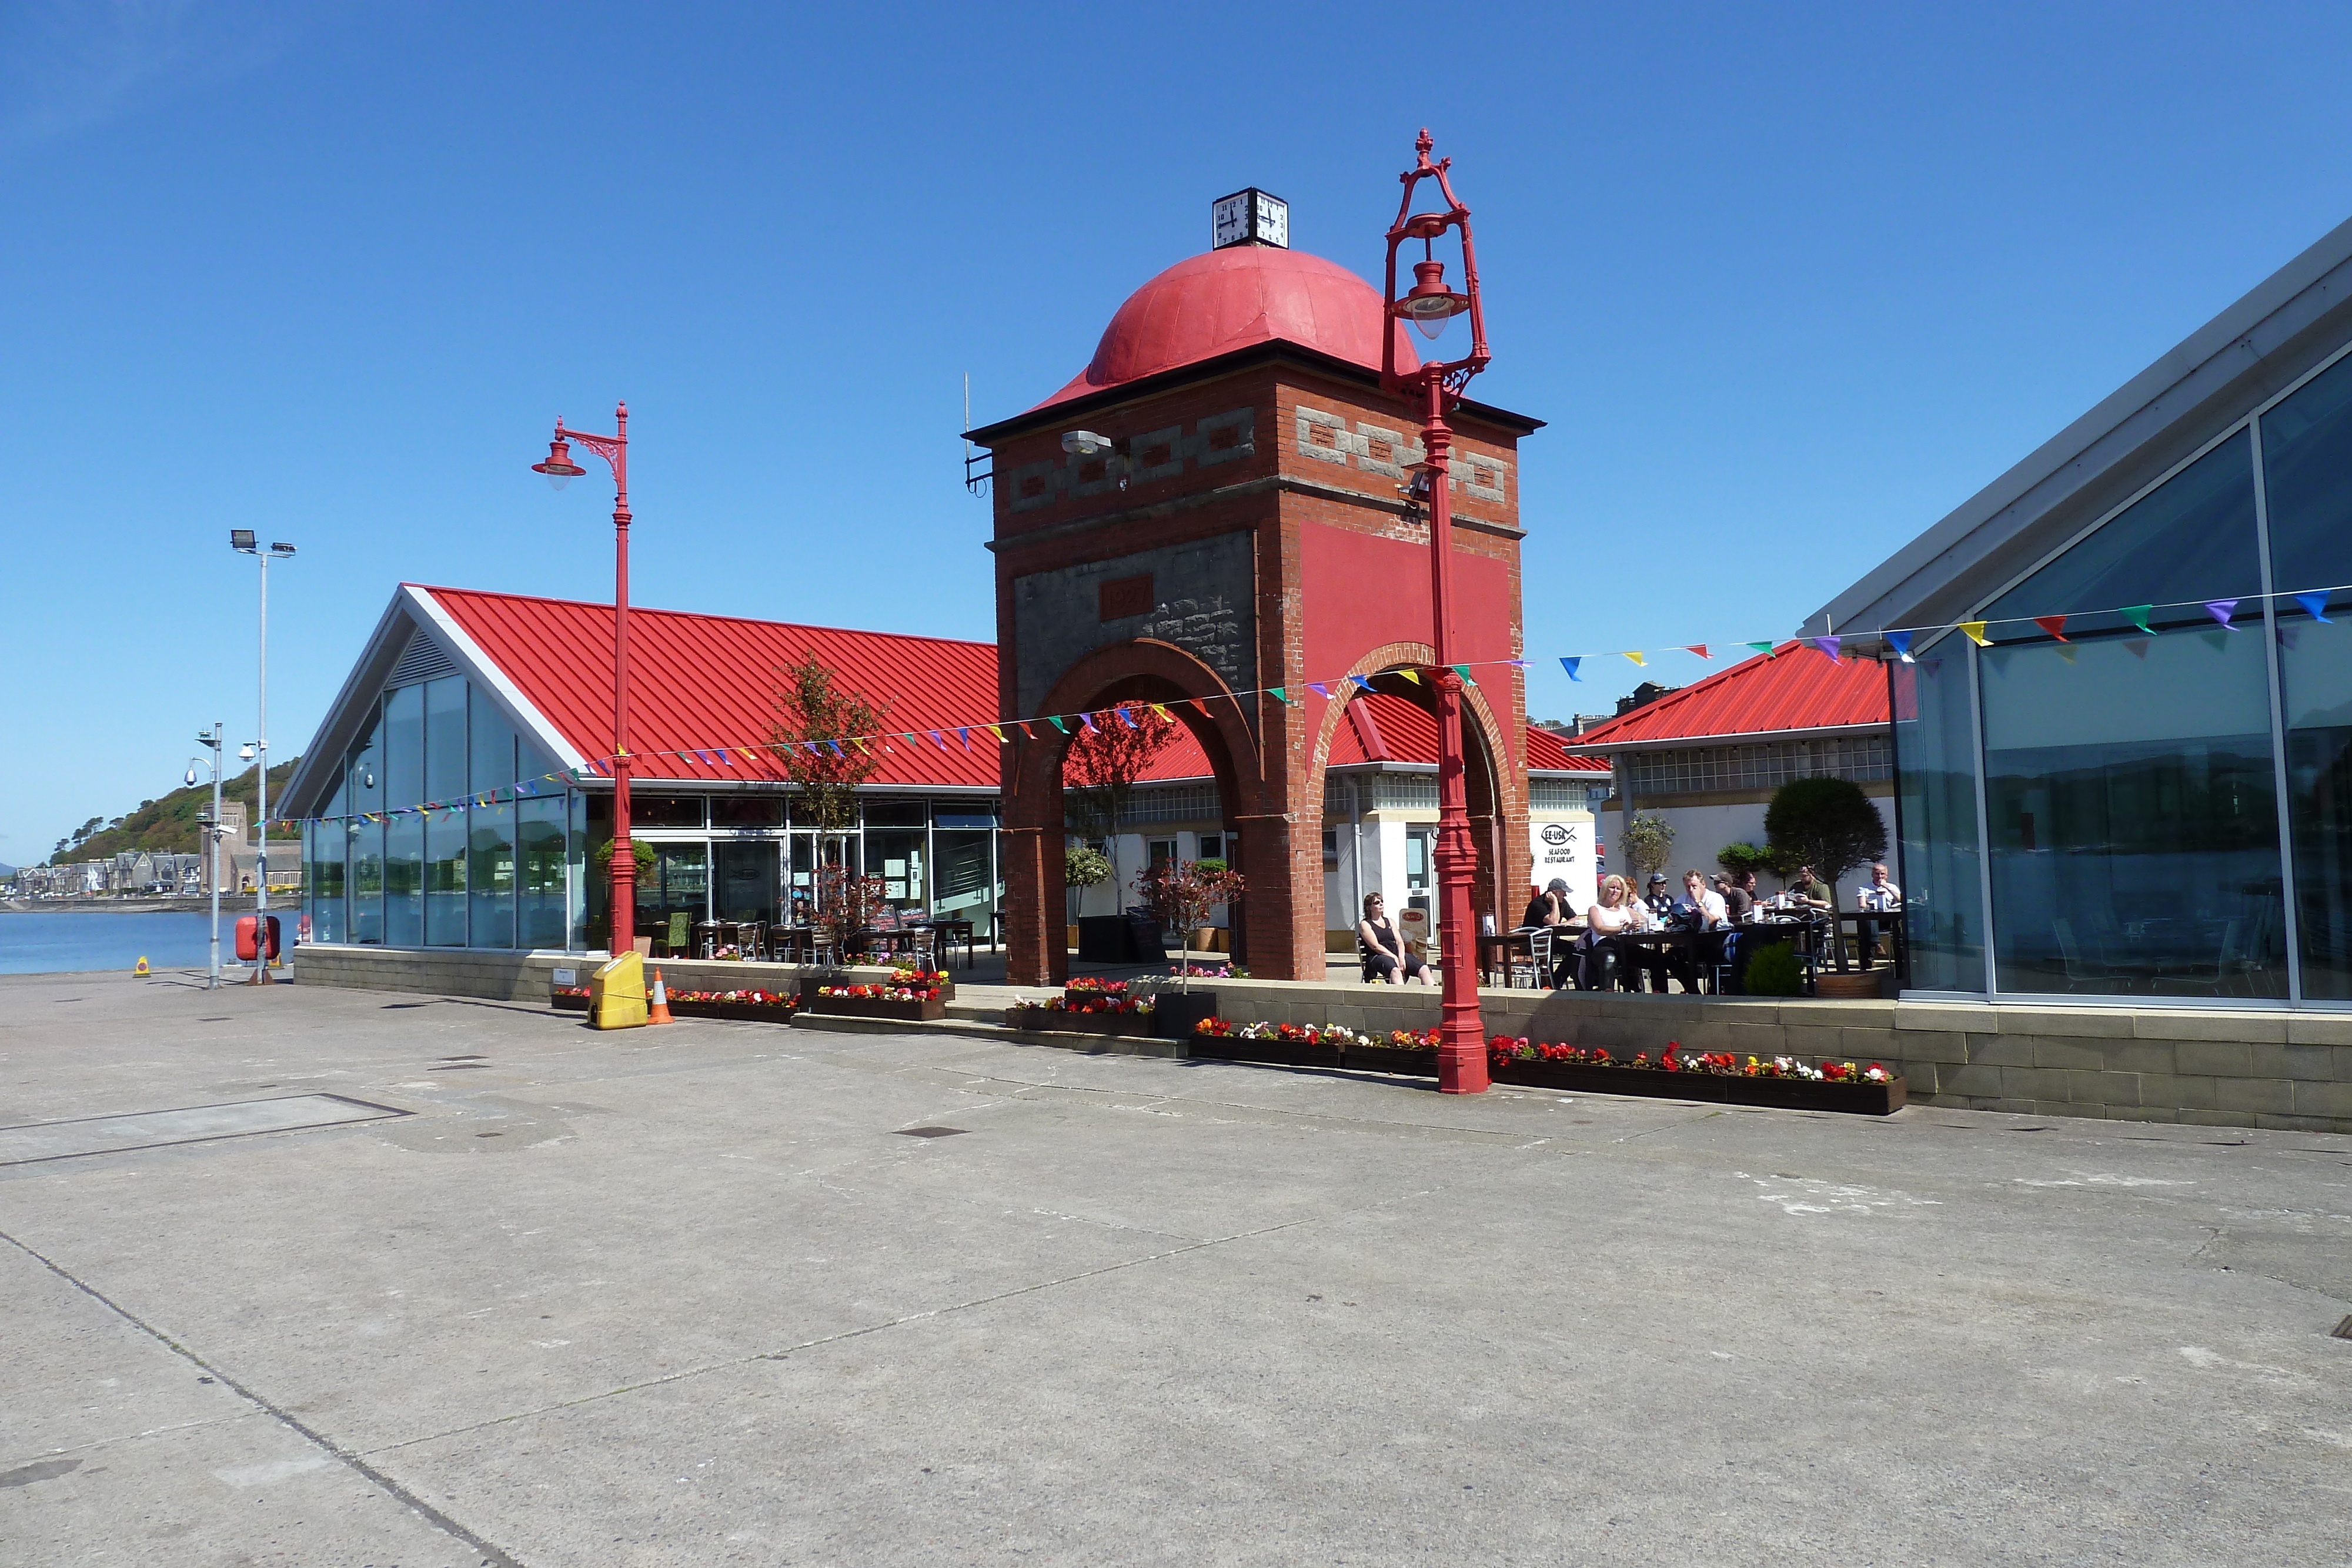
<point>520,977</point>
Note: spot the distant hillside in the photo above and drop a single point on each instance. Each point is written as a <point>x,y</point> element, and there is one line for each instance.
<point>168,824</point>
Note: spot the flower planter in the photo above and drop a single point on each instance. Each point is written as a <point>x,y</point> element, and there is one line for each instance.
<point>1280,1052</point>
<point>930,1010</point>
<point>1389,1059</point>
<point>749,1012</point>
<point>564,1004</point>
<point>1862,1098</point>
<point>1059,1020</point>
<point>1174,1013</point>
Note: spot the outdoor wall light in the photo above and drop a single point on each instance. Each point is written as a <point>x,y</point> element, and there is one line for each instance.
<point>559,467</point>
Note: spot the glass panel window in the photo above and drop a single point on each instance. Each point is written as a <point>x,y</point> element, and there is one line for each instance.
<point>747,810</point>
<point>2190,541</point>
<point>746,885</point>
<point>327,882</point>
<point>1943,894</point>
<point>403,747</point>
<point>577,813</point>
<point>366,772</point>
<point>897,856</point>
<point>492,765</point>
<point>539,871</point>
<point>888,813</point>
<point>490,874</point>
<point>364,856</point>
<point>2307,483</point>
<point>2133,816</point>
<point>444,874</point>
<point>674,896</point>
<point>445,738</point>
<point>663,810</point>
<point>532,767</point>
<point>965,876</point>
<point>403,879</point>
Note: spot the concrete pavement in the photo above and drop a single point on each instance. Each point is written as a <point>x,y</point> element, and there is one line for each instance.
<point>688,1296</point>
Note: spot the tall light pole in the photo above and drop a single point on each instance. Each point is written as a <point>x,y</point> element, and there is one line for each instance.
<point>1436,388</point>
<point>241,539</point>
<point>560,470</point>
<point>211,830</point>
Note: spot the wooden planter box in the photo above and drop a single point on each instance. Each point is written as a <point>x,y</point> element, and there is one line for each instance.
<point>927,1012</point>
<point>564,1004</point>
<point>1389,1059</point>
<point>1175,1014</point>
<point>1055,1020</point>
<point>750,1013</point>
<point>1280,1052</point>
<point>1782,1093</point>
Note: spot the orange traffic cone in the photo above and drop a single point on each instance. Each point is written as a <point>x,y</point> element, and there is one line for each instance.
<point>659,1012</point>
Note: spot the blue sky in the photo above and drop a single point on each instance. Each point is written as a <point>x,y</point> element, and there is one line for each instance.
<point>1789,284</point>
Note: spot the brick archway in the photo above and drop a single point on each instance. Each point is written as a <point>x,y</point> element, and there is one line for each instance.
<point>1492,779</point>
<point>1138,671</point>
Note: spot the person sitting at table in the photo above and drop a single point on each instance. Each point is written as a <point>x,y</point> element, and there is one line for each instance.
<point>1701,911</point>
<point>1740,897</point>
<point>1607,924</point>
<point>1879,896</point>
<point>1384,954</point>
<point>1660,897</point>
<point>1549,907</point>
<point>1807,890</point>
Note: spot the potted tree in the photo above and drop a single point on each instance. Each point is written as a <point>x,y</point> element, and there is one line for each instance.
<point>1182,892</point>
<point>1081,868</point>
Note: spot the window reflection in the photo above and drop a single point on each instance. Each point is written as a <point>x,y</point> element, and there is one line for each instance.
<point>1943,895</point>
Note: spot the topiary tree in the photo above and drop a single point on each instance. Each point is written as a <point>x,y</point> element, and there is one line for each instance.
<point>1744,857</point>
<point>1648,841</point>
<point>1826,823</point>
<point>1082,868</point>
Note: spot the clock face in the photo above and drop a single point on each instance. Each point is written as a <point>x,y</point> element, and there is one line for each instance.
<point>1229,220</point>
<point>1273,220</point>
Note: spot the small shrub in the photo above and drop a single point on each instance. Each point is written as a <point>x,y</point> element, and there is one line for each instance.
<point>1743,856</point>
<point>1775,972</point>
<point>1085,867</point>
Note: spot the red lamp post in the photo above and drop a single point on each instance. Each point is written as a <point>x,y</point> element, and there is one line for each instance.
<point>1436,388</point>
<point>560,470</point>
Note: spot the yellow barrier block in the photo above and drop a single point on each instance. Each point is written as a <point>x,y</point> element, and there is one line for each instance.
<point>617,993</point>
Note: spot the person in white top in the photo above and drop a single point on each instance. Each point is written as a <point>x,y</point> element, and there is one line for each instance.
<point>1700,911</point>
<point>1703,901</point>
<point>1618,914</point>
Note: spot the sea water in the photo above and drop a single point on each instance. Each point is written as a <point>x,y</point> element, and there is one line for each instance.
<point>39,943</point>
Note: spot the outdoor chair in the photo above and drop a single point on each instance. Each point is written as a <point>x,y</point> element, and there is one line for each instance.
<point>679,939</point>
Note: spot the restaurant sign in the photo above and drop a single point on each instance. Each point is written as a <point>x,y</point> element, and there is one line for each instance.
<point>1564,850</point>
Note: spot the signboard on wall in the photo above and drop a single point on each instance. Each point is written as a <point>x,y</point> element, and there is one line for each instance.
<point>1565,850</point>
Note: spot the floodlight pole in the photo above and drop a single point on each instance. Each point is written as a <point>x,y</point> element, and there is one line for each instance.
<point>212,854</point>
<point>246,544</point>
<point>1437,388</point>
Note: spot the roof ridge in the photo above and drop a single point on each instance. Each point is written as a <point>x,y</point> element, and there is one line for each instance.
<point>1675,698</point>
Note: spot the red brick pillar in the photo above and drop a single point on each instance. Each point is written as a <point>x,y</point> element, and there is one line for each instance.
<point>1276,925</point>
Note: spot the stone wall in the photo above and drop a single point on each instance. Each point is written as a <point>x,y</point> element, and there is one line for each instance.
<point>524,977</point>
<point>2205,1066</point>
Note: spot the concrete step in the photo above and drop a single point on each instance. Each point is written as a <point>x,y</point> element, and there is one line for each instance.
<point>979,1028</point>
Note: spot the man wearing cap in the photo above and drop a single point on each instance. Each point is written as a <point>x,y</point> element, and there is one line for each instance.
<point>1660,899</point>
<point>1555,908</point>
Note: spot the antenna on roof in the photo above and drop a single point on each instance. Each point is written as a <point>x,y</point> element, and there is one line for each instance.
<point>975,482</point>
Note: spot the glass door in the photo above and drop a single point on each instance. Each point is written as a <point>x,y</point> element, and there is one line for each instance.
<point>745,881</point>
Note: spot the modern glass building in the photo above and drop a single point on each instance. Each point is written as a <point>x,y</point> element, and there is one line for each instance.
<point>2135,778</point>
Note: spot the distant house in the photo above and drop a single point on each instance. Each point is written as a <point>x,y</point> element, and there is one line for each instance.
<point>1707,756</point>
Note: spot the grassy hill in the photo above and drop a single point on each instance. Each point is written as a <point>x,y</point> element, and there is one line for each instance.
<point>167,824</point>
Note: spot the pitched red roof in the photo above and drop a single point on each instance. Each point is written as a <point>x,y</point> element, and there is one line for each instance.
<point>1797,687</point>
<point>699,682</point>
<point>702,682</point>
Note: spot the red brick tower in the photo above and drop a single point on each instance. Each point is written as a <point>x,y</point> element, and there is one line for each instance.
<point>1243,529</point>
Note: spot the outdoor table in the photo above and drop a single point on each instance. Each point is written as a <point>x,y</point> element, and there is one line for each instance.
<point>947,931</point>
<point>1852,920</point>
<point>1496,948</point>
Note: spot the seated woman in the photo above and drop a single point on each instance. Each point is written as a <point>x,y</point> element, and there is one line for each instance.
<point>1384,950</point>
<point>1606,923</point>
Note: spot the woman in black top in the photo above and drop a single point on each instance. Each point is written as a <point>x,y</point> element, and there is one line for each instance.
<point>1384,954</point>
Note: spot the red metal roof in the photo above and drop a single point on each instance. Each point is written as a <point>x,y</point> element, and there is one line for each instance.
<point>702,682</point>
<point>1797,687</point>
<point>1210,305</point>
<point>699,682</point>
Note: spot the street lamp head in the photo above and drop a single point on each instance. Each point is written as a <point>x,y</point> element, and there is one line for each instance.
<point>1430,305</point>
<point>281,551</point>
<point>245,752</point>
<point>1084,443</point>
<point>559,467</point>
<point>241,539</point>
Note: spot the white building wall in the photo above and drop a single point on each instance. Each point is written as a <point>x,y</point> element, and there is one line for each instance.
<point>1702,832</point>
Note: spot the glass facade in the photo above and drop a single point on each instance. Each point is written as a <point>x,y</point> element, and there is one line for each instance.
<point>2165,779</point>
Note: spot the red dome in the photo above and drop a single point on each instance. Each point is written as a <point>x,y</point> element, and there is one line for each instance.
<point>1228,300</point>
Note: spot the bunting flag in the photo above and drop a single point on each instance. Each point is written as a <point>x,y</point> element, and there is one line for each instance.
<point>1901,642</point>
<point>2317,603</point>
<point>943,740</point>
<point>1125,717</point>
<point>1827,644</point>
<point>2050,624</point>
<point>2222,609</point>
<point>1636,657</point>
<point>1463,671</point>
<point>1976,629</point>
<point>1088,720</point>
<point>1363,683</point>
<point>2137,615</point>
<point>863,750</point>
<point>2217,641</point>
<point>1764,648</point>
<point>1198,703</point>
<point>1278,695</point>
<point>1160,710</point>
<point>1319,689</point>
<point>836,750</point>
<point>963,733</point>
<point>1569,665</point>
<point>1057,724</point>
<point>2067,652</point>
<point>1698,648</point>
<point>1409,673</point>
